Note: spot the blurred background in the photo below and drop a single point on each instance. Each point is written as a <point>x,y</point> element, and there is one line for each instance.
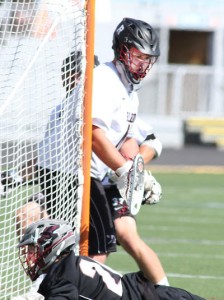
<point>183,95</point>
<point>182,98</point>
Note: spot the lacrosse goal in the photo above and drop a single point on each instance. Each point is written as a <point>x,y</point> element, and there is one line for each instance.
<point>45,66</point>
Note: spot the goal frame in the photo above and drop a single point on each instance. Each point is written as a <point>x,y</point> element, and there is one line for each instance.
<point>87,130</point>
<point>26,146</point>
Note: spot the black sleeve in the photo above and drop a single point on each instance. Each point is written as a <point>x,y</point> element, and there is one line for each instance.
<point>60,290</point>
<point>174,293</point>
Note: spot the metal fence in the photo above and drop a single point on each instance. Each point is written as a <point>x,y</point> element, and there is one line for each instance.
<point>182,91</point>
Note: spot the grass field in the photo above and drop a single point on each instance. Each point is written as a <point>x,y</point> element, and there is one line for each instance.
<point>186,231</point>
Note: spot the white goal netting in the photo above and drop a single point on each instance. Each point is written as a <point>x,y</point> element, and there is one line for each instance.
<point>42,74</point>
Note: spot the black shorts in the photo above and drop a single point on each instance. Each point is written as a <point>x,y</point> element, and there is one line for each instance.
<point>101,233</point>
<point>112,193</point>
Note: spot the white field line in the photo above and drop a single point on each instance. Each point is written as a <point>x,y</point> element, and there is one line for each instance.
<point>176,275</point>
<point>184,220</point>
<point>190,276</point>
<point>183,241</point>
<point>204,256</point>
<point>187,276</point>
<point>173,254</point>
<point>172,228</point>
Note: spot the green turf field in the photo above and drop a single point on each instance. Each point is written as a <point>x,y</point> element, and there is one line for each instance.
<point>186,229</point>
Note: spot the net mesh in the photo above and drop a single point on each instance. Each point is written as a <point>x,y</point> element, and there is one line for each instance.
<point>42,71</point>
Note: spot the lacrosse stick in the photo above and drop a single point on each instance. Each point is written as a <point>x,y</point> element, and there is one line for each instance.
<point>131,184</point>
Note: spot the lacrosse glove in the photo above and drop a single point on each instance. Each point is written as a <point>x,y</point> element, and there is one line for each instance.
<point>152,189</point>
<point>130,183</point>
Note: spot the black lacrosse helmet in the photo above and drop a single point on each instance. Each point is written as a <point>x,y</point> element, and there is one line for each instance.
<point>132,33</point>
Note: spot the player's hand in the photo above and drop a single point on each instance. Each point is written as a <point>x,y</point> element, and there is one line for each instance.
<point>120,172</point>
<point>130,182</point>
<point>152,189</point>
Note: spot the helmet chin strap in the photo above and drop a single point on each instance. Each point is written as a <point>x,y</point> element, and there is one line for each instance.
<point>123,76</point>
<point>136,87</point>
<point>125,79</point>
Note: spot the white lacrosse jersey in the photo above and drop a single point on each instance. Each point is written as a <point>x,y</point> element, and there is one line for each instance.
<point>114,110</point>
<point>58,151</point>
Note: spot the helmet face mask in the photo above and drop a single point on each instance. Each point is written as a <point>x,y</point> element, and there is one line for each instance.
<point>135,36</point>
<point>28,256</point>
<point>137,64</point>
<point>42,244</point>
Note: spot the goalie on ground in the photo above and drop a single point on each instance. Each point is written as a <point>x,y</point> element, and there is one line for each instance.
<point>47,256</point>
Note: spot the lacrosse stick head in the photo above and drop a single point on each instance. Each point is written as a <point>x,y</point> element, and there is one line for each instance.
<point>131,185</point>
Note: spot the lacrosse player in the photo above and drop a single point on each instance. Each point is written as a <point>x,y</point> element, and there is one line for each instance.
<point>115,124</point>
<point>47,162</point>
<point>47,256</point>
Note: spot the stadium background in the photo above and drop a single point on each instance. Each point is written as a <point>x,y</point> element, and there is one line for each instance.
<point>186,84</point>
<point>186,228</point>
<point>187,81</point>
<point>182,99</point>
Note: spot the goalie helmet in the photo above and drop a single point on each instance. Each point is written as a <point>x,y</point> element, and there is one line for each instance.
<point>137,34</point>
<point>73,63</point>
<point>71,69</point>
<point>43,242</point>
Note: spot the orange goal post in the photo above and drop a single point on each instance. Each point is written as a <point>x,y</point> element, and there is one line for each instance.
<point>46,69</point>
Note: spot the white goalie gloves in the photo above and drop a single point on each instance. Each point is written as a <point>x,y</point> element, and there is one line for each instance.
<point>136,185</point>
<point>152,189</point>
<point>130,183</point>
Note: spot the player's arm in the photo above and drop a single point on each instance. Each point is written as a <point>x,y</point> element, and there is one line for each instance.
<point>105,150</point>
<point>128,173</point>
<point>131,148</point>
<point>59,288</point>
<point>150,148</point>
<point>148,153</point>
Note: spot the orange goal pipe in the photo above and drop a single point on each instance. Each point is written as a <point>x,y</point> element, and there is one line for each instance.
<point>87,129</point>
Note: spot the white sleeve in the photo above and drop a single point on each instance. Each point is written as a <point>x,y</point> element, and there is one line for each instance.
<point>154,143</point>
<point>101,102</point>
<point>140,130</point>
<point>144,134</point>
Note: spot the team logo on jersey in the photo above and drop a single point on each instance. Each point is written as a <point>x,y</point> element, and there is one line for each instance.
<point>120,29</point>
<point>131,117</point>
